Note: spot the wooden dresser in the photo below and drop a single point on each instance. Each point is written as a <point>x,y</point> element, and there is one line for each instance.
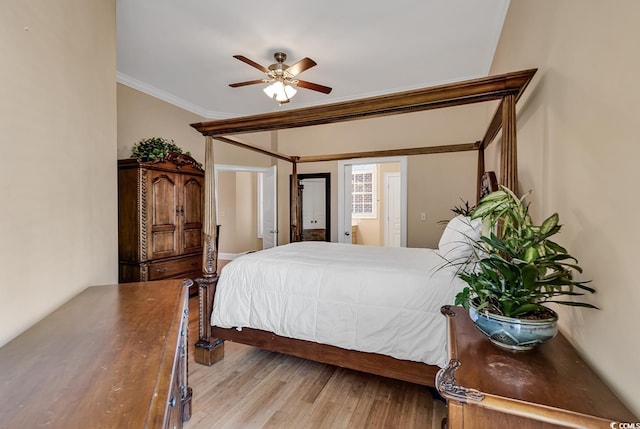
<point>112,357</point>
<point>548,387</point>
<point>160,212</point>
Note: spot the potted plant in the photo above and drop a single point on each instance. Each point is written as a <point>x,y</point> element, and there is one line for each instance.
<point>464,209</point>
<point>513,271</point>
<point>156,149</point>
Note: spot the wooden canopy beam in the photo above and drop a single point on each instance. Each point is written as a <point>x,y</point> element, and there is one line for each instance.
<point>392,152</point>
<point>255,148</point>
<point>454,94</point>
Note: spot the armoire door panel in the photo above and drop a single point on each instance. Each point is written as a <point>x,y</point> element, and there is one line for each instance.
<point>163,215</point>
<point>192,210</point>
<point>164,200</point>
<point>192,239</point>
<point>192,200</point>
<point>163,243</point>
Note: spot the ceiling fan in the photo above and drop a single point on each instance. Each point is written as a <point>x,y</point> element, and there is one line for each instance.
<point>282,77</point>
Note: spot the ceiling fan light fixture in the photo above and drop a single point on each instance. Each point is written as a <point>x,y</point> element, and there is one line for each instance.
<point>282,79</point>
<point>280,91</point>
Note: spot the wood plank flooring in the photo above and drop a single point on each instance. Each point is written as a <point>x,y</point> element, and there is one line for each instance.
<point>253,388</point>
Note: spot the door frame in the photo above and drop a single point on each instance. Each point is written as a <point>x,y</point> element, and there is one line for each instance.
<point>327,198</point>
<point>343,191</point>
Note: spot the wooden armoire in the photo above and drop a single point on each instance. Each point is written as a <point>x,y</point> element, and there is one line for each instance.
<point>160,212</point>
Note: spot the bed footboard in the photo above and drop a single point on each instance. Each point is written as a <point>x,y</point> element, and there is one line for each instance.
<point>372,363</point>
<point>209,349</point>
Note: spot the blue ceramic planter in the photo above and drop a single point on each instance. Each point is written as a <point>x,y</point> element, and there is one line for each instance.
<point>514,334</point>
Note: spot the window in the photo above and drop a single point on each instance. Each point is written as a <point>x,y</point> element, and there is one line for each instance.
<point>363,191</point>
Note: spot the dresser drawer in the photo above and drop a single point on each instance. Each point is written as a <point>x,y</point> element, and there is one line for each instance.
<point>174,267</point>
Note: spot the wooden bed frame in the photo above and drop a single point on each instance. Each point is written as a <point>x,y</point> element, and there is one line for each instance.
<point>506,87</point>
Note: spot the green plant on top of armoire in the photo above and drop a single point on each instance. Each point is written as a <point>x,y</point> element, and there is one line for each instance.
<point>514,270</point>
<point>155,149</point>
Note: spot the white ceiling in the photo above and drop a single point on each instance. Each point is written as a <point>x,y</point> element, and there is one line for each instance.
<point>181,51</point>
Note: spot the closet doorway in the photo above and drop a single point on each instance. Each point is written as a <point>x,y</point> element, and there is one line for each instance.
<point>314,208</point>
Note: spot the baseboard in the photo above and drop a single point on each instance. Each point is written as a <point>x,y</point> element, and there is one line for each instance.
<point>230,256</point>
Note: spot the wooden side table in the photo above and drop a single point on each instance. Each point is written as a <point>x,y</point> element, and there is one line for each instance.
<point>548,387</point>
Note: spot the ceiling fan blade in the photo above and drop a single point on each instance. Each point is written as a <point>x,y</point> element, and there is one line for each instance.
<point>249,82</point>
<point>251,63</point>
<point>302,65</point>
<point>313,86</point>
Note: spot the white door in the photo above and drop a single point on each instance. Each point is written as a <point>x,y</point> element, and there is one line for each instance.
<point>392,218</point>
<point>269,209</point>
<point>313,209</point>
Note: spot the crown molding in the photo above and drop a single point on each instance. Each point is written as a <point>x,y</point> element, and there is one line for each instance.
<point>170,98</point>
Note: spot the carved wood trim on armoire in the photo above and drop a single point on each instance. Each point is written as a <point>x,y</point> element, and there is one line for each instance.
<point>160,212</point>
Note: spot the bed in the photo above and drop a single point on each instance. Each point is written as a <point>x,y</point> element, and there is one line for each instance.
<point>379,305</point>
<point>382,359</point>
<point>382,300</point>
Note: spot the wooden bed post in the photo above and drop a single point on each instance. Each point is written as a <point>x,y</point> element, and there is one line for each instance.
<point>509,150</point>
<point>295,227</point>
<point>208,350</point>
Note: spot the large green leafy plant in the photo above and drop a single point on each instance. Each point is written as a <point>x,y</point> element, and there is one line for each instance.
<point>154,149</point>
<point>516,267</point>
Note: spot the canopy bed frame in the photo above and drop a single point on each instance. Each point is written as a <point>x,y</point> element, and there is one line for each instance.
<point>506,87</point>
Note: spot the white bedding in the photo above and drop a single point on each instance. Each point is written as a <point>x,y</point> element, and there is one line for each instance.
<point>372,299</point>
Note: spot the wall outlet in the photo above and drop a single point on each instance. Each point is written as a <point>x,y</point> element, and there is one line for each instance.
<point>423,216</point>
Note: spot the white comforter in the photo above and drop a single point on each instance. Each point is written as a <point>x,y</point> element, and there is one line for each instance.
<point>371,299</point>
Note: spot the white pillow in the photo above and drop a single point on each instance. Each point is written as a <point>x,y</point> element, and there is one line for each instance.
<point>455,244</point>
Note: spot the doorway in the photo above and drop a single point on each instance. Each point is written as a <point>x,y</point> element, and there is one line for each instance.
<point>314,208</point>
<point>372,201</point>
<point>246,208</point>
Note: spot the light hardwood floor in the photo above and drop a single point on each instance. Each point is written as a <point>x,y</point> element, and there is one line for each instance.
<point>253,388</point>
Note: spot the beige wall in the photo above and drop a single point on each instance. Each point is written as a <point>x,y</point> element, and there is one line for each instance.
<point>579,152</point>
<point>438,183</point>
<point>246,235</point>
<point>141,116</point>
<point>58,221</point>
<point>237,212</point>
